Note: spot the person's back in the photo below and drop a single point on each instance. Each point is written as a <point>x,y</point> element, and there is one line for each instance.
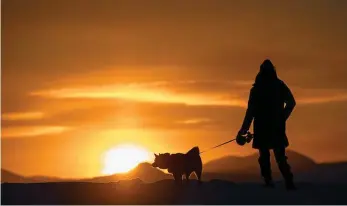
<point>269,114</point>
<point>270,104</point>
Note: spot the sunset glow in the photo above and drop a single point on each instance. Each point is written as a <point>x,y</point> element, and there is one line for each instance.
<point>141,94</point>
<point>95,87</point>
<point>123,158</point>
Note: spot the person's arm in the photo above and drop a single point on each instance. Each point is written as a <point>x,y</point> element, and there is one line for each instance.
<point>289,101</point>
<point>249,114</point>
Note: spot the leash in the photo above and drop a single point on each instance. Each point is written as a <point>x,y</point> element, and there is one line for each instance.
<point>217,146</point>
<point>245,139</point>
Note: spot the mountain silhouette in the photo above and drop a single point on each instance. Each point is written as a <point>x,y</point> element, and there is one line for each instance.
<point>7,176</point>
<point>248,165</point>
<point>144,172</point>
<point>231,168</point>
<point>11,177</point>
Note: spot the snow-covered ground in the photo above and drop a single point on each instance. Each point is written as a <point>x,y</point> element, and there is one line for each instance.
<point>166,192</point>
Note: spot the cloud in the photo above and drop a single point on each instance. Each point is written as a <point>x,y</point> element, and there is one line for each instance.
<point>192,93</point>
<point>13,116</point>
<point>194,104</point>
<point>28,131</point>
<point>144,93</point>
<point>324,99</point>
<point>319,96</point>
<point>195,121</point>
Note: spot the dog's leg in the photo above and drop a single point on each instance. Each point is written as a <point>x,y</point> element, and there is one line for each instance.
<point>175,177</point>
<point>187,176</point>
<point>198,174</point>
<point>178,178</point>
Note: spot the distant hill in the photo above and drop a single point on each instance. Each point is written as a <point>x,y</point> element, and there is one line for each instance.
<point>45,179</point>
<point>143,171</point>
<point>10,177</point>
<point>249,165</point>
<point>231,168</point>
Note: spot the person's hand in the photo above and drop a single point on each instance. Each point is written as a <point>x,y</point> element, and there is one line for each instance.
<point>249,137</point>
<point>242,132</point>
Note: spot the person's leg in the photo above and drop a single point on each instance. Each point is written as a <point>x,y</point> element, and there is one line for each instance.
<point>265,166</point>
<point>284,167</point>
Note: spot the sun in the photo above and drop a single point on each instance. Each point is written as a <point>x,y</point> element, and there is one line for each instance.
<point>123,158</point>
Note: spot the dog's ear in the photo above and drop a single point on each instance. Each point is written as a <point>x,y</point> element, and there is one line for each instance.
<point>155,155</point>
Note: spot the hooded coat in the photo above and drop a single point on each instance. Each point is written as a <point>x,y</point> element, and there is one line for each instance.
<point>269,105</point>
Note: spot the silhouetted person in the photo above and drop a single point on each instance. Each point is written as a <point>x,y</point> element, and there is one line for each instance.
<point>270,105</point>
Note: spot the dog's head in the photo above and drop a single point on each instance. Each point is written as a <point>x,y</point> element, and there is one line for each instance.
<point>161,161</point>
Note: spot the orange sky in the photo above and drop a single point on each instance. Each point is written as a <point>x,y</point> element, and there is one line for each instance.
<point>81,76</point>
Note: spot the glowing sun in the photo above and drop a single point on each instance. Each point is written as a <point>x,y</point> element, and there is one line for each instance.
<point>123,158</point>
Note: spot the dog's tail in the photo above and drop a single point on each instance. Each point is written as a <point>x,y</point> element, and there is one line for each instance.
<point>195,151</point>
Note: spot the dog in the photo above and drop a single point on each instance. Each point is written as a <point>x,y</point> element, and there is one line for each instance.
<point>180,164</point>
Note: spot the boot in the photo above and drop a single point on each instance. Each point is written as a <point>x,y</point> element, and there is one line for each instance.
<point>269,183</point>
<point>290,184</point>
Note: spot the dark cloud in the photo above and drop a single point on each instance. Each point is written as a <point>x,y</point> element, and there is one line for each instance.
<point>49,39</point>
